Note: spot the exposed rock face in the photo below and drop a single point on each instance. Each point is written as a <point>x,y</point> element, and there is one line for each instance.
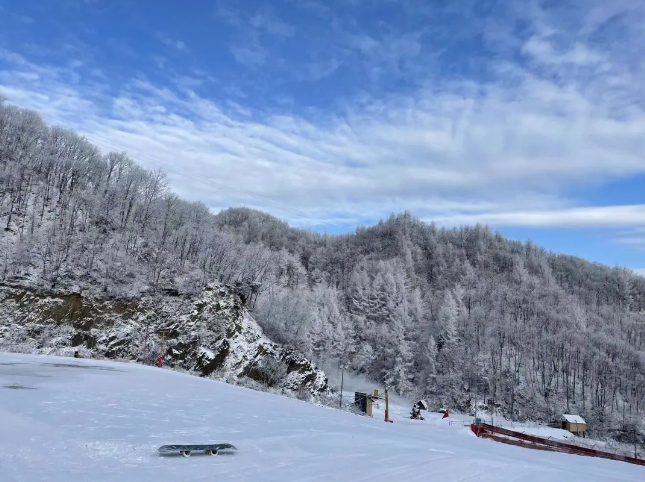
<point>210,334</point>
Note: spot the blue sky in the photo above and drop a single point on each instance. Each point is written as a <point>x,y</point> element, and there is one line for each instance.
<point>525,115</point>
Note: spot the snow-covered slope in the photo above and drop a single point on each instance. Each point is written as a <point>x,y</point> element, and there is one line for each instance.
<point>68,420</point>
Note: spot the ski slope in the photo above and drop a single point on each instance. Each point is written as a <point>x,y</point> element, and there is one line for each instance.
<point>65,420</point>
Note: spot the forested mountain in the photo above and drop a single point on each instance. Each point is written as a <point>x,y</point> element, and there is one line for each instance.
<point>454,315</point>
<point>461,316</point>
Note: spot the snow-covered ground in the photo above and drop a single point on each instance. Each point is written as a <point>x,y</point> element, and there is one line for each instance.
<point>68,420</point>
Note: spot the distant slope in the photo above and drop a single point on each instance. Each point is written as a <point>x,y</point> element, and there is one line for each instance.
<point>83,420</point>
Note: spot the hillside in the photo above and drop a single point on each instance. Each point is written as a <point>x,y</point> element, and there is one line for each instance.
<point>466,318</point>
<point>86,420</point>
<point>462,317</point>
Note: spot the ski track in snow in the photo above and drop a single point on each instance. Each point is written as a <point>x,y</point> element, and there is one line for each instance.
<point>80,424</point>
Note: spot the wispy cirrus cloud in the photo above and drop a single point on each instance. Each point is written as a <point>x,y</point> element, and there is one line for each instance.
<point>266,21</point>
<point>171,42</point>
<point>251,28</point>
<point>449,157</point>
<point>496,136</point>
<point>263,19</point>
<point>576,217</point>
<point>633,238</point>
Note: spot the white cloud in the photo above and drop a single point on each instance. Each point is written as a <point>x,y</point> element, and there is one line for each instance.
<point>603,12</point>
<point>500,151</point>
<point>272,25</point>
<point>580,217</point>
<point>263,20</point>
<point>249,52</point>
<point>493,159</point>
<point>171,42</point>
<point>640,271</point>
<point>159,61</point>
<point>247,46</point>
<point>543,51</point>
<point>633,238</point>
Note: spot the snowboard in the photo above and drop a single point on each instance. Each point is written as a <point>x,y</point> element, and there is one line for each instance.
<point>185,450</point>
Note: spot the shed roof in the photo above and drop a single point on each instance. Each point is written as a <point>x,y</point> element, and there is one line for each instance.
<point>573,418</point>
<point>422,404</point>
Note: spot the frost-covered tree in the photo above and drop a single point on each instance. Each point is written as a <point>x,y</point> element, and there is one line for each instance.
<point>448,319</point>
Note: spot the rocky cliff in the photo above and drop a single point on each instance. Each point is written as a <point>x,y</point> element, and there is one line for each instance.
<point>209,334</point>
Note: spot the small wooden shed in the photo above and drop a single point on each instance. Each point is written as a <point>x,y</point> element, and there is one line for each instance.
<point>573,423</point>
<point>364,402</point>
<point>421,405</point>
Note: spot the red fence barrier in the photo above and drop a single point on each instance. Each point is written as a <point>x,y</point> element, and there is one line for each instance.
<point>490,431</point>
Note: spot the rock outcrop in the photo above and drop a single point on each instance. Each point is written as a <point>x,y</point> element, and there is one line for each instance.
<point>210,334</point>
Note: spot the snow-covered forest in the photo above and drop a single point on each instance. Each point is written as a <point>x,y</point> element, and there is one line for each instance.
<point>457,316</point>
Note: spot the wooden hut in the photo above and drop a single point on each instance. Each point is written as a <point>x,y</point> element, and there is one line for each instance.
<point>422,405</point>
<point>574,424</point>
<point>364,402</point>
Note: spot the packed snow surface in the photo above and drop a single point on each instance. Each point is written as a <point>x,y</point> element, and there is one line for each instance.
<point>65,419</point>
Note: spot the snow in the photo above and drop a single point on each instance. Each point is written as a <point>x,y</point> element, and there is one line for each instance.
<point>573,418</point>
<point>66,420</point>
<point>547,432</point>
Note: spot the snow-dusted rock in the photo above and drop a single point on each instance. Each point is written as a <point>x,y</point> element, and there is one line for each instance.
<point>210,334</point>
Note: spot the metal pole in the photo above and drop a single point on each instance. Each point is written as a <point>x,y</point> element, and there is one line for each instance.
<point>342,373</point>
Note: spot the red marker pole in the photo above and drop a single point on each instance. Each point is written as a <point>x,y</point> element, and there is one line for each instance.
<point>160,359</point>
<point>387,408</point>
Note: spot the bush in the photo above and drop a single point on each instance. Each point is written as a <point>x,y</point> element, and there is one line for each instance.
<point>271,371</point>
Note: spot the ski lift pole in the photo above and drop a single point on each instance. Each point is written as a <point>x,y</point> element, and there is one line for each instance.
<point>342,373</point>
